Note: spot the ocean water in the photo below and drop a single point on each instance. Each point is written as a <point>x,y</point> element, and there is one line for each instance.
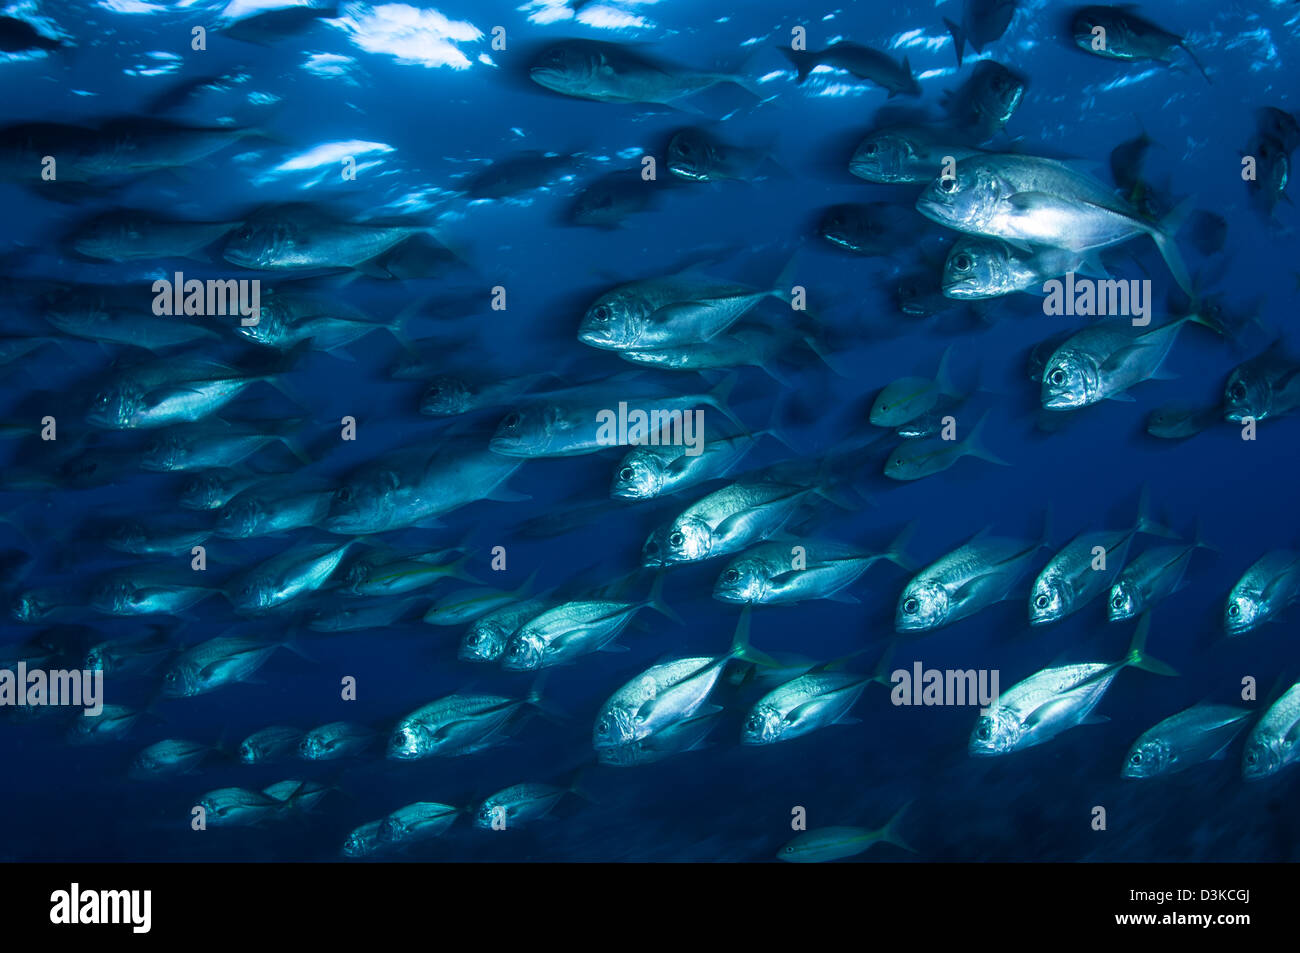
<point>422,99</point>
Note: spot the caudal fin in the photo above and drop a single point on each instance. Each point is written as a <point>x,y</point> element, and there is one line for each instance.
<point>1137,656</point>
<point>1192,56</point>
<point>974,445</point>
<point>1163,235</point>
<point>890,833</point>
<point>958,39</point>
<point>740,647</point>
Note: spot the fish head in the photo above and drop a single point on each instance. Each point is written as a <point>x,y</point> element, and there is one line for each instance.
<point>615,726</point>
<point>106,238</point>
<point>896,403</point>
<point>117,596</point>
<point>693,155</point>
<point>409,741</point>
<point>28,607</point>
<point>744,581</point>
<point>181,681</point>
<point>361,842</point>
<point>273,320</point>
<point>999,90</point>
<point>639,477</point>
<point>1246,395</point>
<point>1126,600</point>
<point>997,732</point>
<point>1147,759</point>
<point>526,431</point>
<point>97,658</point>
<point>883,157</point>
<point>250,752</point>
<point>846,226</point>
<point>145,765</point>
<point>201,491</point>
<point>763,726</point>
<point>115,407</point>
<point>966,200</point>
<point>523,653</point>
<point>484,642</point>
<point>688,540</point>
<point>258,245</point>
<point>393,829</point>
<point>1050,599</point>
<point>1069,381</point>
<point>568,68</point>
<point>363,503</point>
<point>446,396</point>
<point>976,269</point>
<point>1242,613</point>
<point>654,552</point>
<point>240,519</point>
<point>358,575</point>
<point>167,451</point>
<point>251,594</point>
<point>316,746</point>
<point>1261,757</point>
<point>922,605</point>
<point>486,814</point>
<point>615,320</point>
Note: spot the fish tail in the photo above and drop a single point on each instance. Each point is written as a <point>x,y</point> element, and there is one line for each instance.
<point>1163,235</point>
<point>535,699</point>
<point>656,600</point>
<point>717,399</point>
<point>740,647</point>
<point>897,551</point>
<point>1137,656</point>
<point>890,833</point>
<point>943,377</point>
<point>1145,524</point>
<point>881,672</point>
<point>974,445</point>
<point>802,60</point>
<point>958,39</point>
<point>1192,56</point>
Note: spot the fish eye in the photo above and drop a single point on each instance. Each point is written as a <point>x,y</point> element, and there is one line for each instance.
<point>910,606</point>
<point>1237,391</point>
<point>512,421</point>
<point>731,575</point>
<point>626,473</point>
<point>1057,376</point>
<point>1252,757</point>
<point>1234,610</point>
<point>1135,758</point>
<point>603,727</point>
<point>345,494</point>
<point>1041,602</point>
<point>789,850</point>
<point>961,263</point>
<point>600,313</point>
<point>472,638</point>
<point>982,732</point>
<point>948,185</point>
<point>1118,601</point>
<point>869,149</point>
<point>676,539</point>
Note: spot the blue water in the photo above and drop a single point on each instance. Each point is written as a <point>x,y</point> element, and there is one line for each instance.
<point>426,119</point>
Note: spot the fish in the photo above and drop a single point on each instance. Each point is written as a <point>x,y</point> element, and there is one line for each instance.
<point>287,319</point>
<point>148,588</point>
<point>364,841</point>
<point>1071,579</point>
<point>1152,576</point>
<point>169,758</point>
<point>520,804</point>
<point>914,458</point>
<point>1271,744</point>
<point>1126,162</point>
<point>487,636</point>
<point>676,738</point>
<point>338,739</point>
<point>218,662</point>
<point>696,155</point>
<point>726,521</point>
<point>213,489</point>
<point>978,574</point>
<point>909,397</point>
<point>275,506</point>
<point>301,569</point>
<point>669,693</point>
<point>423,820</point>
<point>298,795</point>
<point>167,535</point>
<point>299,237</point>
<point>866,228</point>
<point>1270,585</point>
<point>373,613</point>
<point>859,61</point>
<point>978,268</point>
<point>128,657</point>
<point>449,395</point>
<point>816,699</point>
<point>469,605</point>
<point>612,73</point>
<point>672,311</point>
<point>1104,360</point>
<point>113,723</point>
<point>1264,386</point>
<point>217,444</point>
<point>799,569</point>
<point>1272,173</point>
<point>1029,200</point>
<point>416,485</point>
<point>276,743</point>
<point>457,725</point>
<point>908,153</point>
<point>836,843</point>
<point>390,573</point>
<point>610,199</point>
<point>649,472</point>
<point>266,27</point>
<point>1195,735</point>
<point>982,22</point>
<point>125,234</point>
<point>120,316</point>
<point>982,106</point>
<point>756,345</point>
<point>1278,125</point>
<point>519,173</point>
<point>240,807</point>
<point>1126,36</point>
<point>1055,700</point>
<point>1178,421</point>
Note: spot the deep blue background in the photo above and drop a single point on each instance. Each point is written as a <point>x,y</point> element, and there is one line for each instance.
<point>727,802</point>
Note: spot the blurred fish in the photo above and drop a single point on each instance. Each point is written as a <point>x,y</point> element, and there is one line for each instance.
<point>610,73</point>
<point>1179,421</point>
<point>213,489</point>
<point>467,605</point>
<point>1278,125</point>
<point>487,636</point>
<point>451,394</point>
<point>298,570</point>
<point>275,506</point>
<point>982,23</point>
<point>215,663</point>
<point>218,444</point>
<point>301,236</point>
<point>112,724</point>
<point>457,725</point>
<point>19,36</point>
<point>1126,36</point>
<point>167,534</point>
<point>240,807</point>
<point>695,154</point>
<point>982,106</point>
<point>908,153</point>
<point>872,228</point>
<point>917,458</point>
<point>1270,585</point>
<point>520,804</point>
<point>169,758</point>
<point>127,657</point>
<point>520,173</point>
<point>287,318</point>
<point>909,397</point>
<point>417,822</point>
<point>836,843</point>
<point>613,197</point>
<point>860,61</point>
<point>120,316</point>
<point>1155,574</point>
<point>388,573</point>
<point>338,739</point>
<point>799,569</point>
<point>978,268</point>
<point>277,743</point>
<point>134,235</point>
<point>266,27</point>
<point>1272,173</point>
<point>1195,735</point>
<point>148,588</point>
<point>675,738</point>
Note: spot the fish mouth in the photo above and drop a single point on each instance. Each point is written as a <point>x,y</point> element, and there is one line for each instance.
<point>507,447</point>
<point>733,596</point>
<point>547,76</point>
<point>1061,402</point>
<point>595,337</point>
<point>965,289</point>
<point>686,172</point>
